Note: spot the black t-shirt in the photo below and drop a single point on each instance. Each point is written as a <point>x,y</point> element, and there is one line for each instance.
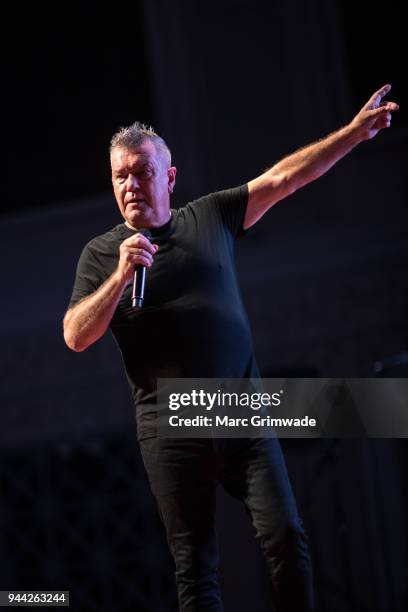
<point>193,322</point>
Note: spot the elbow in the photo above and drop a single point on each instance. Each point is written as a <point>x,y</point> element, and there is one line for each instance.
<point>77,348</point>
<point>71,338</point>
<point>73,343</point>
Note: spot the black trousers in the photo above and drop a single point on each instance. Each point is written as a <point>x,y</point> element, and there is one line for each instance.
<point>184,474</point>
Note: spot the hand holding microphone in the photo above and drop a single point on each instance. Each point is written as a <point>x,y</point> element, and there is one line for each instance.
<point>136,254</point>
<point>139,278</point>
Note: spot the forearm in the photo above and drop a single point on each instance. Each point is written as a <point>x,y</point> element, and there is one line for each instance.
<point>86,322</point>
<point>312,161</point>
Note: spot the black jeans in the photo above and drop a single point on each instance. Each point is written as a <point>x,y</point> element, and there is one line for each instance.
<point>184,474</point>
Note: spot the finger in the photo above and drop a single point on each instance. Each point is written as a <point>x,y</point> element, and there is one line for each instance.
<point>377,112</point>
<point>141,241</point>
<point>143,261</point>
<point>383,90</point>
<point>378,95</point>
<point>139,260</point>
<point>136,252</point>
<point>129,254</point>
<point>383,122</point>
<point>386,116</point>
<point>390,106</point>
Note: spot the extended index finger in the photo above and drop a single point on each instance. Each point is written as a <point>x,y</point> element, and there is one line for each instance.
<point>378,95</point>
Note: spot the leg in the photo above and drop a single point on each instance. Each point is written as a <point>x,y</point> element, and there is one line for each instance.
<point>183,481</point>
<point>254,472</point>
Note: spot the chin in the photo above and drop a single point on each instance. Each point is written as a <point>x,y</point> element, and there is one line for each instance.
<point>138,219</point>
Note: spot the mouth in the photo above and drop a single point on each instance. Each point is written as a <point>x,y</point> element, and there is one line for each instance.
<point>136,203</point>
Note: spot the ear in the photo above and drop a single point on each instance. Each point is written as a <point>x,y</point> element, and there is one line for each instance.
<point>171,175</point>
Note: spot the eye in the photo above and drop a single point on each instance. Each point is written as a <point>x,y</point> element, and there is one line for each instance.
<point>145,173</point>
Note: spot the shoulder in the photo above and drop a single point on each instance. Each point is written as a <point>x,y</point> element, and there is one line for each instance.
<point>114,235</point>
<point>107,243</point>
<point>224,208</point>
<point>234,194</point>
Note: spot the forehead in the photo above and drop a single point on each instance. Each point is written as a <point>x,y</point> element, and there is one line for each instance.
<point>122,157</point>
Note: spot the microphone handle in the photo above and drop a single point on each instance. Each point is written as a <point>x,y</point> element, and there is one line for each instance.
<point>139,279</point>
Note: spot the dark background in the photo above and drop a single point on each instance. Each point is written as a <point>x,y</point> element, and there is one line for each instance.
<point>232,86</point>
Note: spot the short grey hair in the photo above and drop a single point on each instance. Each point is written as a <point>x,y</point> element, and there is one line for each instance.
<point>132,136</point>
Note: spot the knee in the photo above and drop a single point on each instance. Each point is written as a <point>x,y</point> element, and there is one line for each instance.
<point>194,565</point>
<point>289,539</point>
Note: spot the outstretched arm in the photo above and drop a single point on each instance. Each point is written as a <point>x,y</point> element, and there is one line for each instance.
<point>310,162</point>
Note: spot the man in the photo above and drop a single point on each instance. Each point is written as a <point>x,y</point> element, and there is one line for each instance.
<point>193,325</point>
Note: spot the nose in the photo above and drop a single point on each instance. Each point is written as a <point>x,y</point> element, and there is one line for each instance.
<point>132,182</point>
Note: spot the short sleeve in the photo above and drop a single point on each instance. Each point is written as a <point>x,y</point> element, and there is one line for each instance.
<point>89,276</point>
<point>231,205</point>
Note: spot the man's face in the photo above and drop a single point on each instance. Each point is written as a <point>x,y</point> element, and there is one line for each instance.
<point>142,184</point>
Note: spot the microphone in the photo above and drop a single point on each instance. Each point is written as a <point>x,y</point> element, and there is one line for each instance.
<point>139,279</point>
